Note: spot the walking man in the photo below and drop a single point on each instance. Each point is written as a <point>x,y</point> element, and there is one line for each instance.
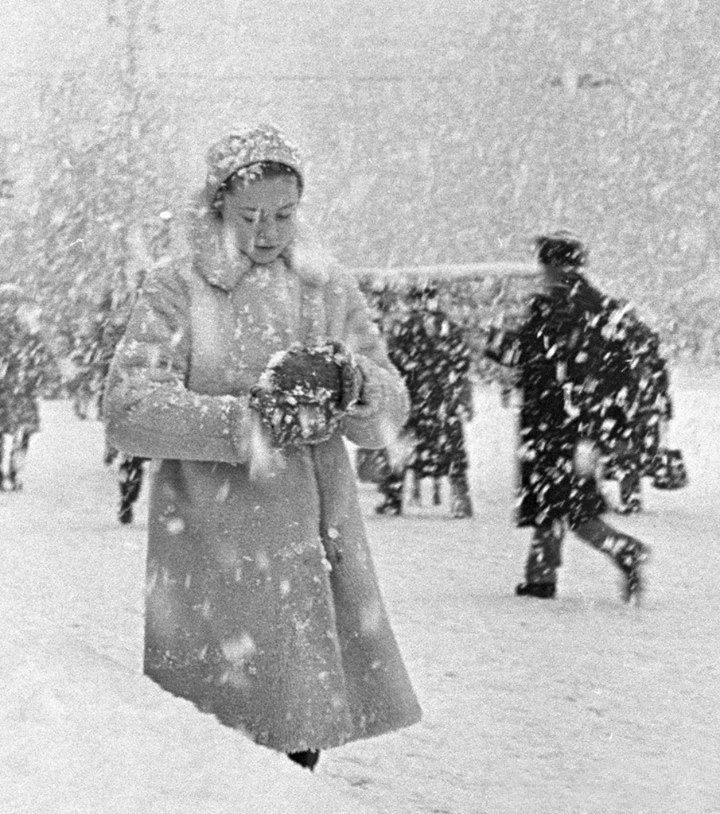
<point>576,378</point>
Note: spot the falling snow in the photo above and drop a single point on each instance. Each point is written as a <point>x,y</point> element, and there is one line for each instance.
<point>437,133</point>
<point>630,693</point>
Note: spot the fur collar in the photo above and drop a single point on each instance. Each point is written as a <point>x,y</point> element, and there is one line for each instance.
<point>218,260</point>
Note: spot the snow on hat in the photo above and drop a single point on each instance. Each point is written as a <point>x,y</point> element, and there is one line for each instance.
<point>561,248</point>
<point>242,148</point>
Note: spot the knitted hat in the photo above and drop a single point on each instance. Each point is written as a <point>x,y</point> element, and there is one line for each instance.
<point>561,248</point>
<point>242,148</point>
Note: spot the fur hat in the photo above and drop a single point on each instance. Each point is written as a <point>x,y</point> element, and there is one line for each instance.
<point>561,248</point>
<point>242,148</point>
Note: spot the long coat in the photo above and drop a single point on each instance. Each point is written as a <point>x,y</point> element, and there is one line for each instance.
<point>262,601</point>
<point>577,382</point>
<point>431,353</point>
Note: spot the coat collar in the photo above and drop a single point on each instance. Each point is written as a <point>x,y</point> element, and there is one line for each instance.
<point>225,267</point>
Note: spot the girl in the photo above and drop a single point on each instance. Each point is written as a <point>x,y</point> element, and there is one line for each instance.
<point>262,602</point>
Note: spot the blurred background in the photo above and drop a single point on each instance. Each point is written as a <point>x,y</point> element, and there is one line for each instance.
<point>436,132</point>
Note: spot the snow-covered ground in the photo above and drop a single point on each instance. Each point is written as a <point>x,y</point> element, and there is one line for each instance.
<point>580,705</point>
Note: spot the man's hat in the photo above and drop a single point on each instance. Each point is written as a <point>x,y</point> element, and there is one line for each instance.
<point>561,248</point>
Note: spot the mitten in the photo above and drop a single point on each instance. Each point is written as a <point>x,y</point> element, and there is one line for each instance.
<point>312,373</point>
<point>301,395</point>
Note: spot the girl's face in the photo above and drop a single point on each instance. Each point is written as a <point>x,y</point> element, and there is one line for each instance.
<point>262,216</point>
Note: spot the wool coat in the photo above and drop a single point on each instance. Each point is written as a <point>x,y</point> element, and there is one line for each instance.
<point>431,353</point>
<point>262,603</point>
<point>577,382</point>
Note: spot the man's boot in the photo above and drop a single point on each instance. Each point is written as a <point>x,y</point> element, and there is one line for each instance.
<point>628,553</point>
<point>391,489</point>
<point>461,505</point>
<point>542,562</point>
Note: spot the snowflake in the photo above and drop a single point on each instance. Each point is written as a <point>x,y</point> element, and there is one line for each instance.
<point>176,525</point>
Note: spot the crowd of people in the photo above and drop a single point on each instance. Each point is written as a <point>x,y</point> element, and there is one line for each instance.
<point>242,370</point>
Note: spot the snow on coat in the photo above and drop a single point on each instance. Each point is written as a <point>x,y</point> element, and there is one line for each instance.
<point>577,383</point>
<point>652,403</point>
<point>262,602</point>
<point>431,353</point>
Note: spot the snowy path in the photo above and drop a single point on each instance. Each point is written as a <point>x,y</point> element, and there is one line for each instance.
<point>577,705</point>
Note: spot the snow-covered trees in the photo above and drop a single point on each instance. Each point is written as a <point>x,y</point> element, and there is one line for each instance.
<point>103,190</point>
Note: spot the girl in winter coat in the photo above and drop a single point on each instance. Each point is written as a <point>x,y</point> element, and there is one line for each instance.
<point>576,378</point>
<point>241,373</point>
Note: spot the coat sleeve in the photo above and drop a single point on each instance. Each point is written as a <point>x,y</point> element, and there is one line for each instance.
<point>148,409</point>
<point>459,386</point>
<point>375,421</point>
<point>503,347</point>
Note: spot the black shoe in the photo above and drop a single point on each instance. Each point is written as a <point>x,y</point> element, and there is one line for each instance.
<point>541,590</point>
<point>461,506</point>
<point>10,484</point>
<point>631,566</point>
<point>388,509</point>
<point>125,515</point>
<point>307,758</point>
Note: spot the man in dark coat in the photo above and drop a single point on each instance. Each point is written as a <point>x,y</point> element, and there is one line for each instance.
<point>577,382</point>
<point>431,353</point>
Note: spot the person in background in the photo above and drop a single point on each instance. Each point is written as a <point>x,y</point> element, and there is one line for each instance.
<point>24,367</point>
<point>130,468</point>
<point>576,378</point>
<point>241,374</point>
<point>431,353</point>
